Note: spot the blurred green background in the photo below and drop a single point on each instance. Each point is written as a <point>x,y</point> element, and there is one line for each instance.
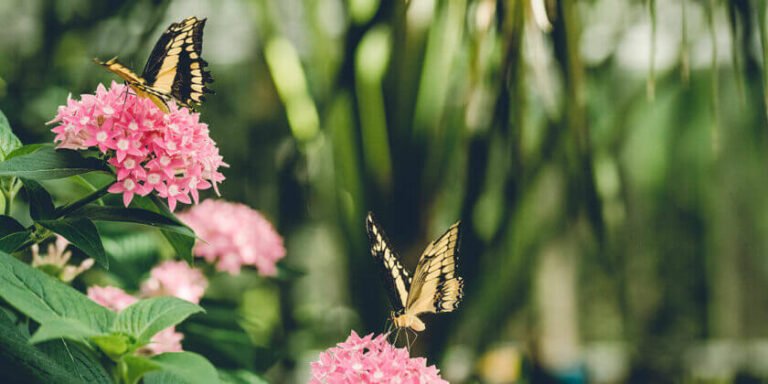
<point>607,157</point>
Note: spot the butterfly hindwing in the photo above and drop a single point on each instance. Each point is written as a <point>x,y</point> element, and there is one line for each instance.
<point>435,287</point>
<point>396,278</point>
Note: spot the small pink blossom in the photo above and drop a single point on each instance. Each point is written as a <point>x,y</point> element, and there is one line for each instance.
<point>111,297</point>
<point>141,141</point>
<point>234,235</point>
<point>175,278</point>
<point>371,360</point>
<point>167,340</point>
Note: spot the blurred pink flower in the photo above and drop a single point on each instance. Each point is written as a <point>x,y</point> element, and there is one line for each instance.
<point>175,278</point>
<point>111,297</point>
<point>167,340</point>
<point>171,153</point>
<point>371,360</point>
<point>234,235</point>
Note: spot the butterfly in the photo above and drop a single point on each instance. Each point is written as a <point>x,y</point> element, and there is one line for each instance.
<point>175,70</point>
<point>434,287</point>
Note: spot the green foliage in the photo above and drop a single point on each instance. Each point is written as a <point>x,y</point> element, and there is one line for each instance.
<point>182,368</point>
<point>145,318</point>
<point>40,201</point>
<point>8,141</point>
<point>82,233</point>
<point>46,163</point>
<point>66,314</point>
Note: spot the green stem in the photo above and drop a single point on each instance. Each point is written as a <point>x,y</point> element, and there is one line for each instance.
<point>93,196</point>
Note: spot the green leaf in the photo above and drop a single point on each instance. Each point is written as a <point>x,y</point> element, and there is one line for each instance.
<point>181,244</point>
<point>44,298</point>
<point>113,345</point>
<point>48,163</point>
<point>8,141</point>
<point>12,242</point>
<point>82,233</point>
<point>27,149</point>
<point>12,234</point>
<point>182,368</point>
<point>33,365</point>
<point>81,362</point>
<point>135,367</point>
<point>241,377</point>
<point>133,215</point>
<point>71,329</point>
<point>145,318</point>
<point>40,201</point>
<point>9,225</point>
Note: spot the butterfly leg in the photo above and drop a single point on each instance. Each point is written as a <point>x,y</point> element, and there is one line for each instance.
<point>415,336</point>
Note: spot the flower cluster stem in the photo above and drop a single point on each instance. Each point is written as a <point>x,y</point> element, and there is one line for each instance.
<point>93,196</point>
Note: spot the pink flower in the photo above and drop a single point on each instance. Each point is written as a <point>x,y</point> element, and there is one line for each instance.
<point>175,278</point>
<point>167,340</point>
<point>171,153</point>
<point>371,360</point>
<point>234,235</point>
<point>111,297</point>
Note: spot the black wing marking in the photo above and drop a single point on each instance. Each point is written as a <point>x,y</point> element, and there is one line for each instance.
<point>396,279</point>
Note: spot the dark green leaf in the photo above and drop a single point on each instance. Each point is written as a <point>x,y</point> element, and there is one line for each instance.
<point>136,367</point>
<point>182,368</point>
<point>133,215</point>
<point>48,163</point>
<point>9,225</point>
<point>82,233</point>
<point>26,362</point>
<point>145,318</point>
<point>81,362</point>
<point>40,201</point>
<point>10,243</point>
<point>8,141</point>
<point>43,298</point>
<point>181,244</point>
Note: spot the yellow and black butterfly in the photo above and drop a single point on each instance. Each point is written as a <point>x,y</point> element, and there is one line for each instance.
<point>434,287</point>
<point>175,70</point>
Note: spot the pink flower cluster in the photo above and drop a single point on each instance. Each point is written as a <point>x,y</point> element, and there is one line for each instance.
<point>170,278</point>
<point>371,360</point>
<point>171,153</point>
<point>234,235</point>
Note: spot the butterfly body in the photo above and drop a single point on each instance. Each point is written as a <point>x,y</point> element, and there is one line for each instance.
<point>434,287</point>
<point>175,70</point>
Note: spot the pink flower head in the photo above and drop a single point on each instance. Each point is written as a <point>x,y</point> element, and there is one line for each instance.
<point>371,360</point>
<point>170,153</point>
<point>167,340</point>
<point>234,235</point>
<point>111,297</point>
<point>175,278</point>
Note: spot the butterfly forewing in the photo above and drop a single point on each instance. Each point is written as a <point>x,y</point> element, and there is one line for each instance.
<point>435,287</point>
<point>396,279</point>
<point>175,68</point>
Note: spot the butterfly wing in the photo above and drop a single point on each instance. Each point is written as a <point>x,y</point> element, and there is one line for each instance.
<point>396,279</point>
<point>435,287</point>
<point>176,67</point>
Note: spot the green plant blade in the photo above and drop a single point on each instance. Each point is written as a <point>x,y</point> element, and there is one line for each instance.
<point>48,163</point>
<point>43,298</point>
<point>182,368</point>
<point>82,233</point>
<point>145,318</point>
